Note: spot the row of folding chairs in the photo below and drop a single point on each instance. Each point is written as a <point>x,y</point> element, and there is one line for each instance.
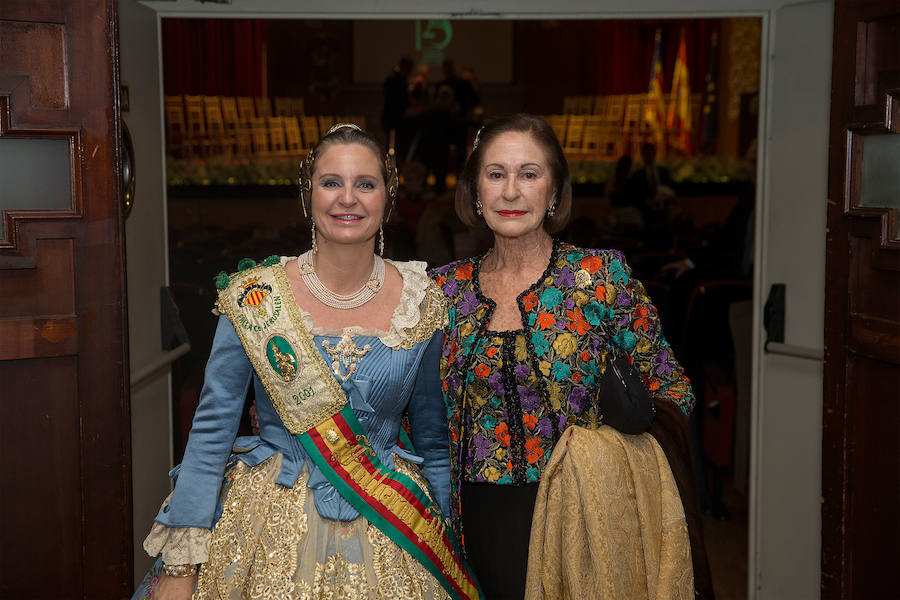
<point>599,105</point>
<point>273,136</point>
<point>208,125</point>
<point>617,127</point>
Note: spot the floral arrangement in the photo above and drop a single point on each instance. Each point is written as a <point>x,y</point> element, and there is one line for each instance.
<point>282,171</point>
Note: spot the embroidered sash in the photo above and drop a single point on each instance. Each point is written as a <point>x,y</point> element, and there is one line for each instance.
<point>313,406</point>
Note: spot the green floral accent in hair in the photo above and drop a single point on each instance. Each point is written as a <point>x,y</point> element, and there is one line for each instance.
<point>246,263</point>
<point>222,280</point>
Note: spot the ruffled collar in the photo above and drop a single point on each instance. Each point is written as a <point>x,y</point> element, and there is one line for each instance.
<point>406,315</point>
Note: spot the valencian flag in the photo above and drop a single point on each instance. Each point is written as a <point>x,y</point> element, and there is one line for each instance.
<point>710,122</point>
<point>655,109</point>
<point>679,120</point>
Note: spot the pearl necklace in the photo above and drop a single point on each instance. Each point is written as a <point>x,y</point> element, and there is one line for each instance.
<point>329,298</point>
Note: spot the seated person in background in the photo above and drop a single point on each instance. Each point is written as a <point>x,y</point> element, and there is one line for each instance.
<point>650,189</point>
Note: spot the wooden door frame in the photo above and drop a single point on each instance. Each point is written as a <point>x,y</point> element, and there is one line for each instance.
<point>573,9</point>
<point>850,334</point>
<point>93,337</point>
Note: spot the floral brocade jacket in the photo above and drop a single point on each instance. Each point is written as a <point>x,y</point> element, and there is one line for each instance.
<point>511,394</point>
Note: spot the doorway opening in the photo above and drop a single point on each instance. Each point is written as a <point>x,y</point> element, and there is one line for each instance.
<point>245,99</point>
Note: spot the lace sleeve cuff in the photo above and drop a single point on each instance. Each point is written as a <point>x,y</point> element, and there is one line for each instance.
<point>178,545</point>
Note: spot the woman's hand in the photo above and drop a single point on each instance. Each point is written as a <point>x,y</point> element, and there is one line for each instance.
<point>174,588</point>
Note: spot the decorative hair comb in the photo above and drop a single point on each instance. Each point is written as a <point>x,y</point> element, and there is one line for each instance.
<point>477,137</point>
<point>337,126</point>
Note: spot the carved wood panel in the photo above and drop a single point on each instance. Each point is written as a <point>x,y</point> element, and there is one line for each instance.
<point>65,506</point>
<point>40,468</point>
<point>860,450</point>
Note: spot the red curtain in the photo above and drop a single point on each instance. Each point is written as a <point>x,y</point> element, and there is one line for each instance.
<point>625,49</point>
<point>224,56</point>
<point>213,57</point>
<point>587,58</point>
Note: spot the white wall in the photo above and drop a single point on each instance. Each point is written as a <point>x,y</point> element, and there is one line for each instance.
<point>785,534</point>
<point>147,270</point>
<point>788,442</point>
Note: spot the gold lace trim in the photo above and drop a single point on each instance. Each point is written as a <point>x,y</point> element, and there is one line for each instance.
<point>261,548</point>
<point>253,553</point>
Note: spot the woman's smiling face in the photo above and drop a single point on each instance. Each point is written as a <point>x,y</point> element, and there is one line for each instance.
<point>348,194</point>
<point>515,185</point>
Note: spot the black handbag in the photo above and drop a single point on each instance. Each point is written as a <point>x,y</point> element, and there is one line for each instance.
<point>624,400</point>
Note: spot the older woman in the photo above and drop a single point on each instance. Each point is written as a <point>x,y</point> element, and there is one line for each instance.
<point>534,324</point>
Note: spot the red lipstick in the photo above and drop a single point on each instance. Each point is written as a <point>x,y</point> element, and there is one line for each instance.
<point>510,213</point>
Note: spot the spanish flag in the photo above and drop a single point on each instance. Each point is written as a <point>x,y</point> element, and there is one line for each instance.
<point>678,122</point>
<point>655,109</point>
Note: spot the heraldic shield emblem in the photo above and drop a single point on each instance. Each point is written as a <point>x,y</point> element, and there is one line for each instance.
<point>254,295</point>
<point>282,357</point>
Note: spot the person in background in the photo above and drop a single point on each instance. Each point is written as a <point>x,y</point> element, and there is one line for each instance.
<point>650,189</point>
<point>396,101</point>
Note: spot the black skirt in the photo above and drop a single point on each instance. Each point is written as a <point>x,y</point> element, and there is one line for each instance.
<point>496,522</point>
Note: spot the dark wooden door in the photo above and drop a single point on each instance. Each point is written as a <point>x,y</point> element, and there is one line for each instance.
<point>861,441</point>
<point>65,506</point>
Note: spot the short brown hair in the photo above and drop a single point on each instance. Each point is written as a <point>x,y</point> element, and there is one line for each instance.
<point>348,134</point>
<point>467,188</point>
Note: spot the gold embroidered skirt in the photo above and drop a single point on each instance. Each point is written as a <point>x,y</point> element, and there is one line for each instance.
<point>271,543</point>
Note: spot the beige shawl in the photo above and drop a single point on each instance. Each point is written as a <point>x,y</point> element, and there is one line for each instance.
<point>608,522</point>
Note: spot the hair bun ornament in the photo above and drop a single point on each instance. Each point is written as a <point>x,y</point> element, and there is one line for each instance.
<point>477,137</point>
<point>337,126</point>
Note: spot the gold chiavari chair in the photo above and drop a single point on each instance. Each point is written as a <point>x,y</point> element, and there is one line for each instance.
<point>263,107</point>
<point>632,126</point>
<point>569,105</point>
<point>219,139</point>
<point>634,112</point>
<point>592,142</point>
<point>297,108</point>
<point>176,127</point>
<point>310,131</point>
<point>615,111</point>
<point>282,106</point>
<point>293,141</point>
<point>325,122</point>
<point>558,124</point>
<point>243,143</point>
<point>600,105</point>
<point>196,124</point>
<point>246,110</point>
<point>276,135</point>
<point>574,133</point>
<point>230,115</point>
<point>584,105</point>
<point>613,122</point>
<point>259,136</point>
